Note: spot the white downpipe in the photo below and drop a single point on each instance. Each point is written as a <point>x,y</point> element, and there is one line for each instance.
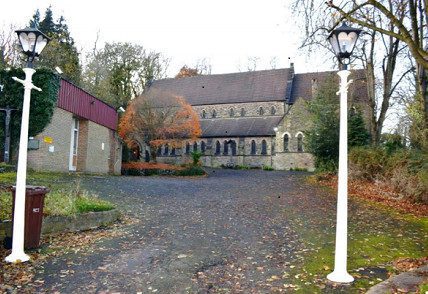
<point>18,254</point>
<point>340,273</point>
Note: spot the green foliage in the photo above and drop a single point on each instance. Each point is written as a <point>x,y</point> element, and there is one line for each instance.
<point>6,168</point>
<point>357,132</point>
<point>61,50</point>
<point>42,103</point>
<point>418,129</point>
<point>61,200</point>
<point>322,139</point>
<point>391,142</point>
<point>406,171</point>
<point>196,156</point>
<point>367,163</point>
<point>121,71</point>
<point>5,205</point>
<point>267,167</point>
<point>88,204</point>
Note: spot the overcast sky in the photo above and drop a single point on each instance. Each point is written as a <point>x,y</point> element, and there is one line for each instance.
<point>225,32</point>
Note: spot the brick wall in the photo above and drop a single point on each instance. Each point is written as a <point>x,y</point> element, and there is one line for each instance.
<point>98,150</point>
<point>82,145</point>
<point>90,154</point>
<point>59,130</point>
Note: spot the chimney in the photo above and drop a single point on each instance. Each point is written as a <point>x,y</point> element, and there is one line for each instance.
<point>314,84</point>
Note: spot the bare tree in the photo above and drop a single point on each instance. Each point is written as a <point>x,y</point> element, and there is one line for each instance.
<point>252,63</point>
<point>407,21</point>
<point>9,48</point>
<point>378,53</point>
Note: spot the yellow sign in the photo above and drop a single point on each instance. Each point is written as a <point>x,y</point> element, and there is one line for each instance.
<point>48,140</point>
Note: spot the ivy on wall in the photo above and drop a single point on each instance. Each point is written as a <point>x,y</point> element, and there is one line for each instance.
<point>41,108</point>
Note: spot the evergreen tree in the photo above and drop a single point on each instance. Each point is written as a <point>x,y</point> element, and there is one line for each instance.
<point>61,50</point>
<point>323,137</point>
<point>357,132</point>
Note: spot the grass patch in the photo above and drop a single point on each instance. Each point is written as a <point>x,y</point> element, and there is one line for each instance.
<point>88,204</point>
<point>66,197</point>
<point>423,289</point>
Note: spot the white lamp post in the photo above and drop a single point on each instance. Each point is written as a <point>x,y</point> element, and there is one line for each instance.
<point>32,41</point>
<point>343,40</point>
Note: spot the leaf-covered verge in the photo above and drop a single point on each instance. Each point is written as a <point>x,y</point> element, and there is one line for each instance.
<point>375,252</point>
<point>401,174</point>
<point>41,107</point>
<point>22,275</point>
<point>61,200</point>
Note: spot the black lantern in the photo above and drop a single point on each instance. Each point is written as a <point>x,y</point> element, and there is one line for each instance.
<point>32,42</point>
<point>343,40</point>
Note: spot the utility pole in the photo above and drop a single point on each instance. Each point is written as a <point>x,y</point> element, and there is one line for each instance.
<point>8,111</point>
<point>7,133</point>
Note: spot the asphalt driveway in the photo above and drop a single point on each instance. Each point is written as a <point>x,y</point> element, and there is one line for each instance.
<point>230,232</point>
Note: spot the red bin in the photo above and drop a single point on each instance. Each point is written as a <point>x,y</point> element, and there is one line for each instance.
<point>34,201</point>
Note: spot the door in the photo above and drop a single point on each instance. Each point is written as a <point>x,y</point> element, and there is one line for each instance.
<point>73,145</point>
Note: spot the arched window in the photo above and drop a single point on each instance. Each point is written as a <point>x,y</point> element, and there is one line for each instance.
<point>242,112</point>
<point>233,147</point>
<point>231,112</point>
<point>299,142</point>
<point>159,151</point>
<point>166,150</point>
<point>253,147</point>
<point>286,143</point>
<point>261,111</point>
<point>264,147</point>
<point>217,148</point>
<point>187,148</point>
<point>173,151</point>
<point>203,147</point>
<point>272,110</point>
<point>225,148</point>
<point>195,147</point>
<point>204,114</point>
<point>214,114</point>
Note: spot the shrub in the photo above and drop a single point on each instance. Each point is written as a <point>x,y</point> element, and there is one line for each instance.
<point>196,156</point>
<point>6,168</point>
<point>406,171</point>
<point>367,163</point>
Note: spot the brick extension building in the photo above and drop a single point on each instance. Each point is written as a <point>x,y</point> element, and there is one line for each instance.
<point>239,113</point>
<point>82,136</point>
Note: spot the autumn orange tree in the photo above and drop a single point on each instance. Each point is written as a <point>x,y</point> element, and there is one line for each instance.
<point>157,118</point>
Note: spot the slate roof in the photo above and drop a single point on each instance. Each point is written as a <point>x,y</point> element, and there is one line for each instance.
<point>254,86</point>
<point>239,127</point>
<point>302,84</point>
<point>244,87</point>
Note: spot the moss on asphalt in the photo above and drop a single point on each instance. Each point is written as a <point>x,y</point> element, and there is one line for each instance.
<point>371,248</point>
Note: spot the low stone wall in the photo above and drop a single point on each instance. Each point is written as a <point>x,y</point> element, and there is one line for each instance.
<point>80,222</point>
<point>62,224</point>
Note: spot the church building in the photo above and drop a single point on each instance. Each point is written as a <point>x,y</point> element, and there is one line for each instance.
<point>252,119</point>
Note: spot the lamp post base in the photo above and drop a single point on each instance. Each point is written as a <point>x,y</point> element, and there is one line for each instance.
<point>340,277</point>
<point>17,257</point>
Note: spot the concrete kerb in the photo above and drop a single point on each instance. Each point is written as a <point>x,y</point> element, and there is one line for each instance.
<point>74,223</point>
